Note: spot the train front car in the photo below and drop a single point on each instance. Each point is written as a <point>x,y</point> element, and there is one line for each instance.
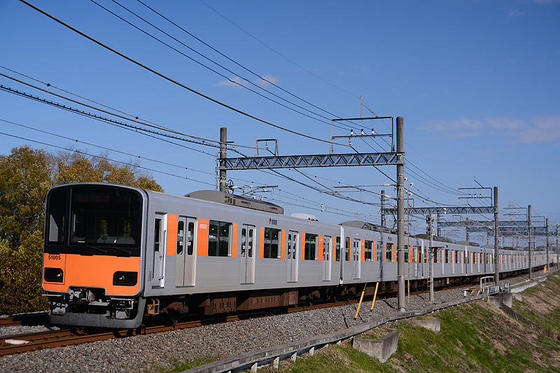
<point>93,250</point>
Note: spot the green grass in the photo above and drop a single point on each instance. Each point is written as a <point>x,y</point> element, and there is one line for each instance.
<point>474,338</point>
<point>184,365</point>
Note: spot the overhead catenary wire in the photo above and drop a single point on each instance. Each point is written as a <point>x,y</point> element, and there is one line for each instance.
<point>173,81</point>
<point>159,127</point>
<point>102,157</point>
<point>232,81</point>
<point>347,92</point>
<point>251,71</point>
<point>104,119</point>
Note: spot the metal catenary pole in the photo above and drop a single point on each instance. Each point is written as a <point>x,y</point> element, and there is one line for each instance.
<point>400,212</point>
<point>496,238</point>
<point>557,248</point>
<point>529,242</point>
<point>383,220</point>
<point>223,156</point>
<point>547,260</point>
<point>430,221</point>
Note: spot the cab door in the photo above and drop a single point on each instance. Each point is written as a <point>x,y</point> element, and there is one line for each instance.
<point>158,261</point>
<point>186,251</point>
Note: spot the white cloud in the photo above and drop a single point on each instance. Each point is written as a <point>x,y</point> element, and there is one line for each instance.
<point>515,12</point>
<point>537,129</point>
<point>232,82</point>
<point>266,81</point>
<point>541,129</point>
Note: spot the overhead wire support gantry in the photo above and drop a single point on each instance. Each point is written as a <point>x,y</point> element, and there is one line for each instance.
<point>331,159</point>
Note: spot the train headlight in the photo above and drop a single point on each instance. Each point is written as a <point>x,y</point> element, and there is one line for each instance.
<point>53,275</point>
<point>125,278</point>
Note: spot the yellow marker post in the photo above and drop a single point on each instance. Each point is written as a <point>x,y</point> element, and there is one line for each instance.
<point>360,304</point>
<point>374,296</point>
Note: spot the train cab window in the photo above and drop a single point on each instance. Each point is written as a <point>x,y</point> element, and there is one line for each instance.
<point>378,251</point>
<point>271,243</point>
<point>337,249</point>
<point>219,238</point>
<point>389,253</point>
<point>157,235</point>
<point>310,246</point>
<point>347,249</point>
<point>368,250</point>
<point>57,216</point>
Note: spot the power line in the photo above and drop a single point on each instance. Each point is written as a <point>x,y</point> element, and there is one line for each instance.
<point>211,60</point>
<point>217,64</point>
<point>263,78</point>
<point>159,127</point>
<point>105,147</point>
<point>109,159</point>
<point>279,53</point>
<point>104,119</point>
<point>161,75</point>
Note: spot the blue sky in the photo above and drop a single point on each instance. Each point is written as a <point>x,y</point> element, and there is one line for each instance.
<point>476,81</point>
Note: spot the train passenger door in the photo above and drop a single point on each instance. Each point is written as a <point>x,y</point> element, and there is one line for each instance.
<point>356,258</point>
<point>293,243</point>
<point>327,244</point>
<point>160,239</point>
<point>186,251</point>
<point>248,254</point>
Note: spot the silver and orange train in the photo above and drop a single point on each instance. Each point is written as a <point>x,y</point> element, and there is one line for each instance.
<point>114,255</point>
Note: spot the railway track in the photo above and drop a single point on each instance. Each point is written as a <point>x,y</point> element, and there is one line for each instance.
<point>49,339</point>
<point>39,318</point>
<point>35,341</point>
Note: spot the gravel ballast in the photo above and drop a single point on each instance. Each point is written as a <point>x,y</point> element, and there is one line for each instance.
<point>150,352</point>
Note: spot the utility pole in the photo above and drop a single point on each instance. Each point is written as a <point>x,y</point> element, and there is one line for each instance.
<point>467,238</point>
<point>496,238</point>
<point>557,248</point>
<point>400,211</point>
<point>223,156</point>
<point>430,221</point>
<point>529,242</point>
<point>547,261</point>
<point>438,228</point>
<point>408,238</point>
<point>383,219</point>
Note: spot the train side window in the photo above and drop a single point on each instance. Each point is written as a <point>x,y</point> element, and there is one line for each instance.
<point>271,243</point>
<point>190,238</point>
<point>446,256</point>
<point>337,251</point>
<point>310,246</point>
<point>378,251</point>
<point>157,234</point>
<point>219,238</point>
<point>389,255</point>
<point>347,249</point>
<point>368,250</point>
<point>180,236</point>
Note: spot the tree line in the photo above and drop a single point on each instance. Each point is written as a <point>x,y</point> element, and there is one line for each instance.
<point>26,174</point>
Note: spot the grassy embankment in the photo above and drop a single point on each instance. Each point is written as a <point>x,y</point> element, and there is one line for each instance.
<point>473,338</point>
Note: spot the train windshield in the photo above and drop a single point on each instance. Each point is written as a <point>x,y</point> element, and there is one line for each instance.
<point>102,221</point>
